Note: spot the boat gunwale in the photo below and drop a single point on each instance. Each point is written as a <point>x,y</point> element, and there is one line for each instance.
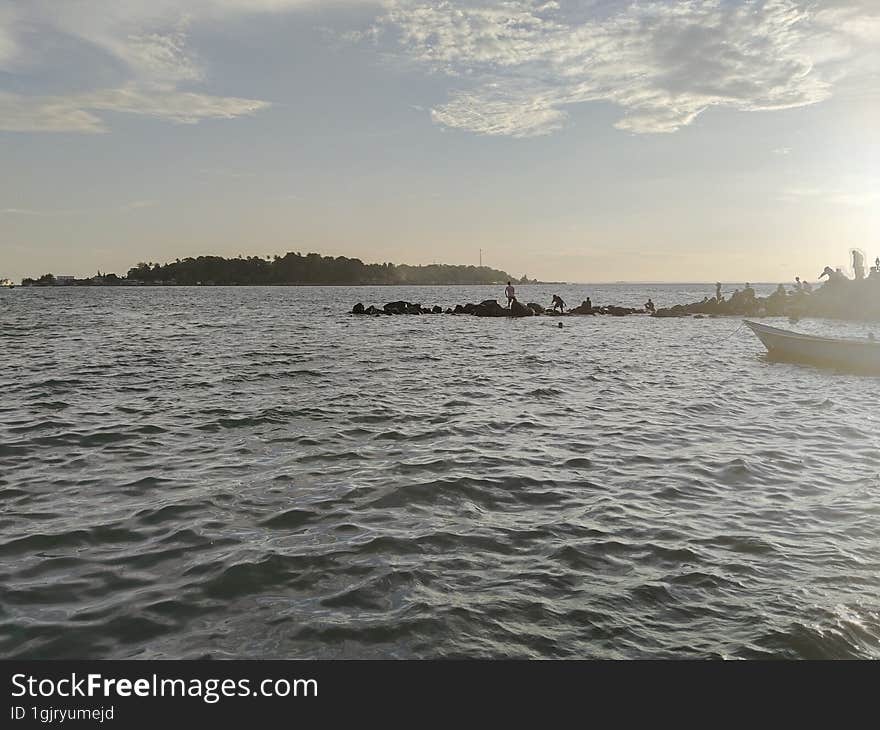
<point>767,329</point>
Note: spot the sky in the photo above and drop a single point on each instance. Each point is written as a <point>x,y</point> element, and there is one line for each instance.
<point>568,140</point>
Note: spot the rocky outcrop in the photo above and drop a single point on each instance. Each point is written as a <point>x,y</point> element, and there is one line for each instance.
<point>491,308</point>
<point>520,310</point>
<point>838,299</point>
<point>584,308</point>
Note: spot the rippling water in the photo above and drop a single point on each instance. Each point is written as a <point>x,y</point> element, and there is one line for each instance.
<point>251,472</point>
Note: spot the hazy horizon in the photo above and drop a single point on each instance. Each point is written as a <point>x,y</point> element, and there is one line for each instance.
<point>514,277</point>
<point>673,141</point>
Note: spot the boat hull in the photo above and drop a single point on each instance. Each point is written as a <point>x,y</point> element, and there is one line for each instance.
<point>854,355</point>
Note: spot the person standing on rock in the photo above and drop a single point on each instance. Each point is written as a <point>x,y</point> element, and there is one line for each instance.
<point>718,292</point>
<point>510,293</point>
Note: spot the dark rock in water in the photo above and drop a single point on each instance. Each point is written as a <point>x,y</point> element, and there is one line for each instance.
<point>357,308</point>
<point>490,308</point>
<point>396,307</point>
<point>437,309</point>
<point>520,310</point>
<point>372,310</point>
<point>536,308</point>
<point>449,310</point>
<point>458,309</point>
<point>622,311</point>
<point>414,309</point>
<point>676,311</point>
<point>584,308</point>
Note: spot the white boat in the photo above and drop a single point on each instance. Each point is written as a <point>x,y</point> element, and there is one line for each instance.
<point>846,354</point>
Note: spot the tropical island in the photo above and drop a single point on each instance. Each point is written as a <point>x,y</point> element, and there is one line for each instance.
<point>289,270</point>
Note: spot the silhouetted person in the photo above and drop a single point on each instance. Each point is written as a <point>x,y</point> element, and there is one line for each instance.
<point>858,265</point>
<point>649,306</point>
<point>808,287</point>
<point>588,303</point>
<point>833,276</point>
<point>718,296</point>
<point>510,293</point>
<point>797,284</point>
<point>558,303</point>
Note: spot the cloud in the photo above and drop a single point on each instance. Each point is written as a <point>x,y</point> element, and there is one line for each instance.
<point>519,64</point>
<point>20,113</point>
<point>853,191</point>
<point>52,212</point>
<point>144,40</point>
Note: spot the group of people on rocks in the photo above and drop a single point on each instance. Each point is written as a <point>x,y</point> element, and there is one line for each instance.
<point>510,293</point>
<point>858,267</point>
<point>559,304</point>
<point>744,300</point>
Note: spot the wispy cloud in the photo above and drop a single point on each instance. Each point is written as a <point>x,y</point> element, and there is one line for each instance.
<point>853,192</point>
<point>53,212</point>
<point>519,64</point>
<point>75,113</point>
<point>516,67</point>
<point>147,39</point>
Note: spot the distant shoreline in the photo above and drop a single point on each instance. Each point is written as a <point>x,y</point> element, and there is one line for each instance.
<point>139,285</point>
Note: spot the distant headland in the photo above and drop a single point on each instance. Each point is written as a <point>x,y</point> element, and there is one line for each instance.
<point>290,270</point>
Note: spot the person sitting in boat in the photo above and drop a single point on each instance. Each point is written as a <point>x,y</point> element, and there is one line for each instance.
<point>649,306</point>
<point>510,293</point>
<point>558,303</point>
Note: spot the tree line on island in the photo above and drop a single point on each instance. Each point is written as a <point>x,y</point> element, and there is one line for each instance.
<point>293,268</point>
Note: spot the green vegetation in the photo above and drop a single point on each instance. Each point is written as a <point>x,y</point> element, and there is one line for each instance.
<point>294,268</point>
